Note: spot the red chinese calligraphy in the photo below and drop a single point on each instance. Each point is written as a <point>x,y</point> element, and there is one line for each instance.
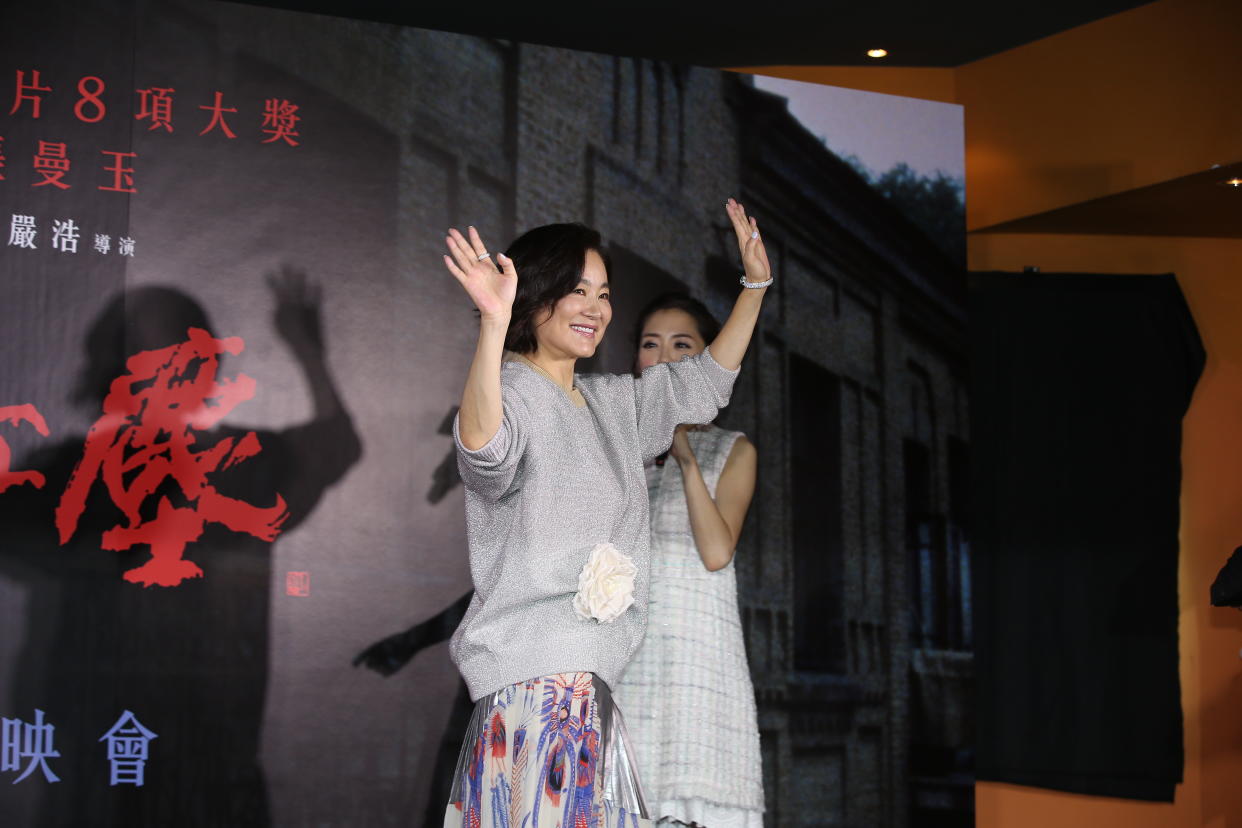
<point>217,111</point>
<point>16,415</point>
<point>146,438</point>
<point>1,158</point>
<point>156,103</point>
<point>90,108</point>
<point>51,162</point>
<point>23,90</point>
<point>279,119</point>
<point>122,176</point>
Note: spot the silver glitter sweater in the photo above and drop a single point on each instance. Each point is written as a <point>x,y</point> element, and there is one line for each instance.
<point>556,480</point>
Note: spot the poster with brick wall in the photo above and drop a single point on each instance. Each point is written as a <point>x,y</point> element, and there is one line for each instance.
<point>232,533</point>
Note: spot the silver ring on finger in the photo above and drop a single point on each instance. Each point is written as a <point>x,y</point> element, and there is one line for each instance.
<point>483,256</point>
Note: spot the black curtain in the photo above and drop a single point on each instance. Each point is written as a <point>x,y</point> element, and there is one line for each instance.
<point>1079,385</point>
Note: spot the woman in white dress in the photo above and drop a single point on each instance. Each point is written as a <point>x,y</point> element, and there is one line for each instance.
<point>693,722</point>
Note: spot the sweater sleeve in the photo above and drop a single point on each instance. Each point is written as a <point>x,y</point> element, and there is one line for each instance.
<point>690,390</point>
<point>489,470</point>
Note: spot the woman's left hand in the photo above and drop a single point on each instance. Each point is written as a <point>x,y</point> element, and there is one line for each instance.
<point>749,243</point>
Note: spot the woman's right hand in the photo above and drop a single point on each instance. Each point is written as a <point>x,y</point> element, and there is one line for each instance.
<point>491,288</point>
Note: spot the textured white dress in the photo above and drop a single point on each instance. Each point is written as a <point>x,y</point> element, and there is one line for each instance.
<point>688,700</point>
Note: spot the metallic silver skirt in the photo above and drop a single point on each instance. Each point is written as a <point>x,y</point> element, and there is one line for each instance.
<point>616,774</point>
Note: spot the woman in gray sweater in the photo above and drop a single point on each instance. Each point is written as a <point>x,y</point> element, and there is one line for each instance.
<point>557,521</point>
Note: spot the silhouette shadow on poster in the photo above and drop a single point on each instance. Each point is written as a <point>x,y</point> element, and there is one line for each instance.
<point>445,477</point>
<point>388,655</point>
<point>188,661</point>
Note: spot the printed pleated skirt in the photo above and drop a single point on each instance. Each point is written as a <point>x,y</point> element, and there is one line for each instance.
<point>551,751</point>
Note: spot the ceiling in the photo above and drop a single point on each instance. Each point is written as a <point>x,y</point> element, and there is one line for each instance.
<point>926,33</point>
<point>769,33</point>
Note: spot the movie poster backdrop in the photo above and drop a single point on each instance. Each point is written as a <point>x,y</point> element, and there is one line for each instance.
<point>233,544</point>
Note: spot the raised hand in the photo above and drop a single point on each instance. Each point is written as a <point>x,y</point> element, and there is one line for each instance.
<point>298,301</point>
<point>749,243</point>
<point>491,288</point>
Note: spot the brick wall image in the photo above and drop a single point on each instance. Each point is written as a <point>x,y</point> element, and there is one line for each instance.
<point>850,569</point>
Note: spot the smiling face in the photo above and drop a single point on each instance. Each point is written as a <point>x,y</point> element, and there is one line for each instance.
<point>574,326</point>
<point>667,336</point>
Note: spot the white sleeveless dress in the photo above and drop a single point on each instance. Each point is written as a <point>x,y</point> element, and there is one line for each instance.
<point>688,700</point>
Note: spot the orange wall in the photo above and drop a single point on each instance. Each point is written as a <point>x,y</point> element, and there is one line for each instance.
<point>1124,102</point>
<point>1130,100</point>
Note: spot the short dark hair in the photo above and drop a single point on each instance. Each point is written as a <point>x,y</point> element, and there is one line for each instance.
<point>678,300</point>
<point>549,262</point>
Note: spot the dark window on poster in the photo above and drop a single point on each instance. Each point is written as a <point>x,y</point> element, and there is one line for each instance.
<point>815,481</point>
<point>647,110</point>
<point>677,125</point>
<point>924,535</point>
<point>939,554</point>
<point>959,535</point>
<point>721,278</point>
<point>660,113</point>
<point>640,73</point>
<point>615,105</point>
<point>648,144</point>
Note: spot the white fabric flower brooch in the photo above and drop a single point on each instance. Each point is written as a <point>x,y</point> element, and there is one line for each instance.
<point>605,585</point>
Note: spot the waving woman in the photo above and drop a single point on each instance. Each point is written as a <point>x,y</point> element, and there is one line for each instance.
<point>557,521</point>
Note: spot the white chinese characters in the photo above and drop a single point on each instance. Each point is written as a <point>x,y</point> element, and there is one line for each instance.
<point>65,236</point>
<point>66,233</point>
<point>22,231</point>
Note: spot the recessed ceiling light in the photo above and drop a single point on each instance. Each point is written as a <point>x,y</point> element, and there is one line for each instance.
<point>877,53</point>
<point>1232,182</point>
